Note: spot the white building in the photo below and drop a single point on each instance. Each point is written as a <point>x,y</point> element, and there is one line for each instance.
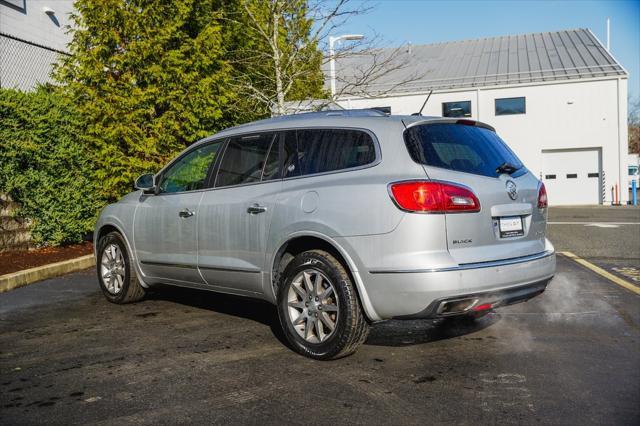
<point>558,99</point>
<point>32,35</point>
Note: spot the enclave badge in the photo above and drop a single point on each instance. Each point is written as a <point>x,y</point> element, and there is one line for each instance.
<point>512,189</point>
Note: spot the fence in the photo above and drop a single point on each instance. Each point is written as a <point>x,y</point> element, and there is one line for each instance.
<point>24,64</point>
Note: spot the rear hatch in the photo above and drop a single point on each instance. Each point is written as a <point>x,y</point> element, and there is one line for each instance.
<point>470,154</point>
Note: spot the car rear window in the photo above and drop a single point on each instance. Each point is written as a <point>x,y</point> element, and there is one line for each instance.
<point>312,151</point>
<point>459,147</point>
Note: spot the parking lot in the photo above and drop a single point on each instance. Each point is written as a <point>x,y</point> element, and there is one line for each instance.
<point>570,356</point>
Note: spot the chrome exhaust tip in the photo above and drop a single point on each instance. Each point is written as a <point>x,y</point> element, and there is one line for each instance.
<point>456,307</point>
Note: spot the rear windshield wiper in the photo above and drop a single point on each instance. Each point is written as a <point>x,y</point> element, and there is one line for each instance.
<point>506,168</point>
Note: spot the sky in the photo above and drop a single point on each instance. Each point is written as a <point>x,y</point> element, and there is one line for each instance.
<point>423,22</point>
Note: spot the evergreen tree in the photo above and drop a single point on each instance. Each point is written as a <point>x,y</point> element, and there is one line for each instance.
<point>149,77</point>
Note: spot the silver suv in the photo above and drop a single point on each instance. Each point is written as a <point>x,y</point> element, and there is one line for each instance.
<point>341,219</point>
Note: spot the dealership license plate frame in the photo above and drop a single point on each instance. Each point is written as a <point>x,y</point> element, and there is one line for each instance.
<point>511,226</point>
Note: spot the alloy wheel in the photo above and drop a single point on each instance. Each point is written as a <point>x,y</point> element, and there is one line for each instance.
<point>312,306</point>
<point>112,268</point>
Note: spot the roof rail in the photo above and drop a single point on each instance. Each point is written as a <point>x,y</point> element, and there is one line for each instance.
<point>370,112</point>
<point>365,112</point>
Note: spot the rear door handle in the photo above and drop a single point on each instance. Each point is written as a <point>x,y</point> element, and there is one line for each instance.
<point>186,213</point>
<point>256,208</point>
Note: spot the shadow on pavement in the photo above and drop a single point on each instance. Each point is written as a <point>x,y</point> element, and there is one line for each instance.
<point>393,333</point>
<point>416,332</point>
<point>243,307</point>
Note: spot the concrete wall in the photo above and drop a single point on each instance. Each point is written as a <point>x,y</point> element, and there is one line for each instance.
<point>14,233</point>
<point>559,116</point>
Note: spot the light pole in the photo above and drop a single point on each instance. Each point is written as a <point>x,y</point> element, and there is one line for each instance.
<point>332,59</point>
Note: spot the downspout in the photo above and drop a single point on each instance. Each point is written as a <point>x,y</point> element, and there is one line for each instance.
<point>619,141</point>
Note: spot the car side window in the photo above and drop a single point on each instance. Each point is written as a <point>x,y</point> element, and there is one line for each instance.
<point>291,165</point>
<point>190,172</point>
<point>272,165</point>
<point>244,160</point>
<point>325,150</point>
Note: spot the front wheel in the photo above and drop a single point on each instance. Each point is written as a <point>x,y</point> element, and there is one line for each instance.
<point>318,307</point>
<point>116,274</point>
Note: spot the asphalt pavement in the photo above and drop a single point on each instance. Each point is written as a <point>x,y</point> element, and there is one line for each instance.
<point>570,356</point>
<point>609,237</point>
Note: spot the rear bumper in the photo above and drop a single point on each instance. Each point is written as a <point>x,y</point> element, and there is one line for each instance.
<point>468,303</point>
<point>421,293</point>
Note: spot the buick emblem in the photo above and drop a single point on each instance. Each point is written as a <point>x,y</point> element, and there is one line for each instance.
<point>512,189</point>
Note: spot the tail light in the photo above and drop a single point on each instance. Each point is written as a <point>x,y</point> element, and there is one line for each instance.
<point>542,197</point>
<point>483,307</point>
<point>433,197</point>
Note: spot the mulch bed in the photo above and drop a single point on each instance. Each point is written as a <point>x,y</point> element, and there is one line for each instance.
<point>14,261</point>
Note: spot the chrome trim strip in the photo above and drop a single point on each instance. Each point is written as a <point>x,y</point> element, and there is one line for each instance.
<point>465,266</point>
<point>231,269</point>
<point>173,265</point>
<point>189,266</point>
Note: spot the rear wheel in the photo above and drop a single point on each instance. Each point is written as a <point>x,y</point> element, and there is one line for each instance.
<point>116,275</point>
<point>318,307</point>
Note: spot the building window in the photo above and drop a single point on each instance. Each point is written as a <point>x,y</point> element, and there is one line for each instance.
<point>456,109</point>
<point>572,175</point>
<point>511,106</point>
<point>592,175</point>
<point>549,176</point>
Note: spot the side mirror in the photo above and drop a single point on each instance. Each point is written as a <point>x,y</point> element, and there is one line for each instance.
<point>146,183</point>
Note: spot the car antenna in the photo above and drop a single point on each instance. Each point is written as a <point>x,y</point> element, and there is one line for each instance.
<point>424,104</point>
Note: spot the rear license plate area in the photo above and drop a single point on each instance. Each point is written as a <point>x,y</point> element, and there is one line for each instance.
<point>510,226</point>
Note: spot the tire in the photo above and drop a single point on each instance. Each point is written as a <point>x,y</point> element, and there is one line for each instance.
<point>126,288</point>
<point>340,306</point>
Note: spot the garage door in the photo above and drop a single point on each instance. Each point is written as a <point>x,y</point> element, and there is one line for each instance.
<point>572,176</point>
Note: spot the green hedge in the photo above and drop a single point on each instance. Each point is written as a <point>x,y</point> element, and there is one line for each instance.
<point>44,165</point>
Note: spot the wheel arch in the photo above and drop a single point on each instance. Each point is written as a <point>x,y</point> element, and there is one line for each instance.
<point>300,242</point>
<point>106,228</point>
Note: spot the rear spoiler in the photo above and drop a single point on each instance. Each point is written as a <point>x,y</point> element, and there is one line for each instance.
<point>462,121</point>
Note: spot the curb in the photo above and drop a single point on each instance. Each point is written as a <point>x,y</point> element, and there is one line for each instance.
<point>39,273</point>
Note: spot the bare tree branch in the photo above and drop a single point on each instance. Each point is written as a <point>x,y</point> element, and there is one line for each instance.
<point>293,31</point>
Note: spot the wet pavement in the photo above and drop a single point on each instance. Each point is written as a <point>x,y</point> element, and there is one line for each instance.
<point>67,356</point>
<point>608,237</point>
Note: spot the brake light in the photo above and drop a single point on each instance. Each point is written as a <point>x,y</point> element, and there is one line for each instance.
<point>433,197</point>
<point>542,197</point>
